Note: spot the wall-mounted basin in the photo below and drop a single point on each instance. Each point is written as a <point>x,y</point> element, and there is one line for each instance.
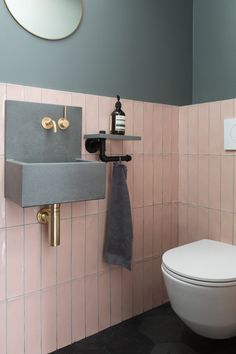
<point>44,166</point>
<point>29,184</point>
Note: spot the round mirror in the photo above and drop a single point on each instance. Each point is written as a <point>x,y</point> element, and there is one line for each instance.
<point>49,19</point>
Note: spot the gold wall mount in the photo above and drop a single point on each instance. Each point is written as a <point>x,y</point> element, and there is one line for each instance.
<point>63,122</point>
<point>48,123</point>
<point>50,215</point>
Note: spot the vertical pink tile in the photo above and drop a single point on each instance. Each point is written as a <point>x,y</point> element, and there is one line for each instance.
<point>227,177</point>
<point>174,225</point>
<point>147,285</point>
<point>14,214</point>
<point>128,146</point>
<point>64,253</point>
<point>65,211</point>
<point>203,128</point>
<point>192,224</point>
<point>32,324</point>
<point>138,180</point>
<point>166,229</point>
<point>174,129</point>
<point>3,332</point>
<point>2,116</point>
<point>15,326</point>
<point>33,94</point>
<point>104,301</point>
<point>147,127</point>
<point>138,126</point>
<point>32,257</point>
<point>157,229</point>
<point>91,244</point>
<point>214,182</point>
<point>215,128</point>
<point>49,96</point>
<point>91,125</point>
<point>148,180</point>
<point>78,100</point>
<point>2,264</point>
<point>193,179</point>
<point>183,178</point>
<point>138,234</point>
<point>203,177</point>
<point>157,178</point>
<point>127,294</point>
<point>103,203</point>
<point>234,186</point>
<point>174,177</point>
<point>105,107</point>
<point>226,229</point>
<point>167,125</point>
<point>49,261</point>
<point>214,224</point>
<point>48,320</point>
<point>15,261</point>
<point>15,92</point>
<point>78,247</point>
<point>137,288</point>
<point>116,147</point>
<point>183,130</point>
<point>148,231</point>
<point>78,209</point>
<point>56,97</point>
<point>30,215</point>
<point>167,179</point>
<point>156,282</point>
<point>227,111</point>
<point>78,310</point>
<point>193,129</point>
<point>102,266</point>
<point>183,224</point>
<point>130,181</point>
<point>116,296</point>
<point>157,128</point>
<point>203,223</point>
<point>63,315</point>
<point>91,308</point>
<point>91,207</point>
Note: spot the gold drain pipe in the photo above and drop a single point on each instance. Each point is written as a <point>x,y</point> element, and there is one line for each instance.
<point>50,215</point>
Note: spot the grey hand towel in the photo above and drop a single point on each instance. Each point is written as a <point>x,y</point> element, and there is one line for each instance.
<point>119,232</point>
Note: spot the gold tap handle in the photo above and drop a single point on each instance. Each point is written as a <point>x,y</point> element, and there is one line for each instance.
<point>63,122</point>
<point>49,123</point>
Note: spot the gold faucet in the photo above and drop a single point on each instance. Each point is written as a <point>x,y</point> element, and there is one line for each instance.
<point>63,122</point>
<point>49,123</point>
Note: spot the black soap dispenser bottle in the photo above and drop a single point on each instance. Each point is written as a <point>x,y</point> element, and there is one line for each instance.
<point>118,119</point>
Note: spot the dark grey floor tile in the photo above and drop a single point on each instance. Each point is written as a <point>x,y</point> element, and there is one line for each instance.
<point>172,348</point>
<point>158,331</point>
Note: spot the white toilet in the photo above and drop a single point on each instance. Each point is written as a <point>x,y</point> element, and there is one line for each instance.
<point>200,278</point>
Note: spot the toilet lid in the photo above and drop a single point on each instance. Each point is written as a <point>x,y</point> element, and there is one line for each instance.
<point>204,260</point>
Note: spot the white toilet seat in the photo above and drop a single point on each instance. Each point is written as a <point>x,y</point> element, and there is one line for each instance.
<point>196,282</point>
<point>205,263</point>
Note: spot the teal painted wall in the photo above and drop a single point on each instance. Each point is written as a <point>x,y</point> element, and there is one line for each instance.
<point>214,48</point>
<point>139,49</point>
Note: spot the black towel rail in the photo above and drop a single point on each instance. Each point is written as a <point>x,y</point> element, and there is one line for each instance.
<point>99,144</point>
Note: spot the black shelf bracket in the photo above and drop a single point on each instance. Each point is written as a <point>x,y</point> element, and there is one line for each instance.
<point>93,145</point>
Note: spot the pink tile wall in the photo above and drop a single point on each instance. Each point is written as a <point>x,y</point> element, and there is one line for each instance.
<point>51,297</point>
<point>207,197</point>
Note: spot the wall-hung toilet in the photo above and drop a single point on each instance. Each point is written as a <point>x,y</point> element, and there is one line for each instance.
<point>200,278</point>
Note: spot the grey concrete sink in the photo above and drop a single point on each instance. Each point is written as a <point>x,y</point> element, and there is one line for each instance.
<point>29,184</point>
<point>45,166</point>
